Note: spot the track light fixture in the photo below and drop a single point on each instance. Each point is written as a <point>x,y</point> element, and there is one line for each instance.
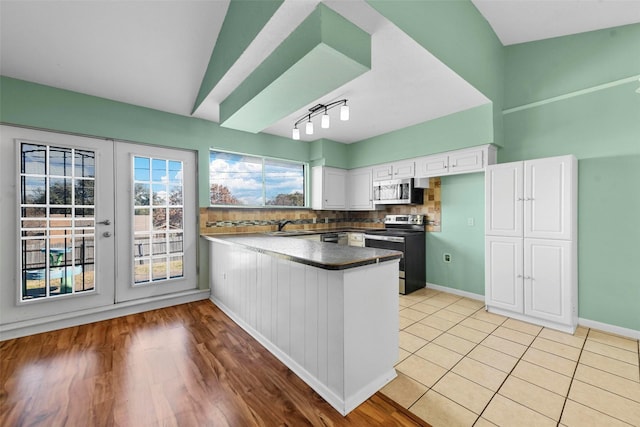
<point>325,120</point>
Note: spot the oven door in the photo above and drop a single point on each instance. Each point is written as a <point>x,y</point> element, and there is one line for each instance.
<point>394,243</point>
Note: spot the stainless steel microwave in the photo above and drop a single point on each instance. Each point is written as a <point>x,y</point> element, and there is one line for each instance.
<point>397,192</point>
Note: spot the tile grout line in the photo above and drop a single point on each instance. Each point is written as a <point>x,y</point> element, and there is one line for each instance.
<point>573,376</point>
<point>511,371</point>
<point>448,370</point>
<point>509,374</point>
<point>598,386</point>
<point>462,358</point>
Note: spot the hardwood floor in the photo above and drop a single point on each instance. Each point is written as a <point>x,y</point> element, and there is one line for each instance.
<point>187,365</point>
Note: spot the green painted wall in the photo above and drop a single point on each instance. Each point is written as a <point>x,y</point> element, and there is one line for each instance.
<point>326,152</point>
<point>30,104</point>
<point>602,128</point>
<point>459,36</point>
<point>243,21</point>
<point>541,70</point>
<point>462,199</point>
<point>460,130</point>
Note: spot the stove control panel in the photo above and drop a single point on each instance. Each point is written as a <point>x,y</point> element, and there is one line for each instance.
<point>405,219</point>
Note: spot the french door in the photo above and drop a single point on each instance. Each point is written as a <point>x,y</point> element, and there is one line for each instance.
<point>156,213</point>
<point>76,203</point>
<point>60,257</point>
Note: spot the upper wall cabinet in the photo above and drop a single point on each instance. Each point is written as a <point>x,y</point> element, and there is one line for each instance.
<point>360,189</point>
<point>397,170</point>
<point>329,188</point>
<point>456,162</point>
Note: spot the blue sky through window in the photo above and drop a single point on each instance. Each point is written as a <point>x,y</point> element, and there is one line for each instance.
<point>238,179</point>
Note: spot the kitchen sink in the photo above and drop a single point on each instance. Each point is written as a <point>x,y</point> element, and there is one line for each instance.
<point>290,232</point>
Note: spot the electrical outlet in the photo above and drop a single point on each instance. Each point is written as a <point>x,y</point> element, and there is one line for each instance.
<point>315,219</point>
<point>470,222</point>
<point>446,258</point>
<point>326,220</point>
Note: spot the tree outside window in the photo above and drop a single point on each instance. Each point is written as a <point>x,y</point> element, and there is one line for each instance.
<point>242,180</point>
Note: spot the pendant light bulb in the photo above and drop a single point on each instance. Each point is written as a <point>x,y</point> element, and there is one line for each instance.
<point>344,112</point>
<point>296,133</point>
<point>309,127</point>
<point>325,120</point>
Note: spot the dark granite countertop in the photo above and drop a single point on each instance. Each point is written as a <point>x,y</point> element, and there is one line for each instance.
<point>328,256</point>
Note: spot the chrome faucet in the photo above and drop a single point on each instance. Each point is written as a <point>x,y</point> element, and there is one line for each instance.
<point>281,224</point>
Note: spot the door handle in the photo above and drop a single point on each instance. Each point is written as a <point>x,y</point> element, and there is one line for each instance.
<point>105,222</point>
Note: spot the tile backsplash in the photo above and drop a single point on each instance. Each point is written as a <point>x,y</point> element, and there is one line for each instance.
<point>240,220</point>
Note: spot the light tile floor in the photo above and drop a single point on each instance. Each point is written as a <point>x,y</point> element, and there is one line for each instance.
<point>461,366</point>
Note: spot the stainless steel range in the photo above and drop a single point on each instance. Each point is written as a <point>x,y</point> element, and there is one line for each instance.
<point>405,233</point>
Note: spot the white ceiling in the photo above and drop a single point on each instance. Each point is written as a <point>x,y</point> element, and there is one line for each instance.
<point>155,53</point>
<point>152,54</point>
<point>520,21</point>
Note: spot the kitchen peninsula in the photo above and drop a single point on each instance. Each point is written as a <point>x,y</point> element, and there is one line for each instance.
<point>328,312</point>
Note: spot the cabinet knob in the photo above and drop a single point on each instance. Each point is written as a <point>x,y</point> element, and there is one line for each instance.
<point>519,276</point>
<point>453,166</point>
<point>520,199</point>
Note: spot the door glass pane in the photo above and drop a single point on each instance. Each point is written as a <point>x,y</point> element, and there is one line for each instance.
<point>33,190</point>
<point>84,192</point>
<point>57,239</point>
<point>157,220</point>
<point>85,164</point>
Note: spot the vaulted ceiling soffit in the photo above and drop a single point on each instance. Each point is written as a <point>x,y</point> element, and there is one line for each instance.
<point>323,52</point>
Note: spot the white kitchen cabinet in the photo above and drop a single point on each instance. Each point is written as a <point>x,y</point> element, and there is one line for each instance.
<point>550,198</point>
<point>329,188</point>
<point>432,166</point>
<point>504,201</point>
<point>456,162</point>
<point>531,250</point>
<point>548,274</point>
<point>534,199</point>
<point>504,273</point>
<point>360,189</point>
<point>466,161</point>
<point>396,170</point>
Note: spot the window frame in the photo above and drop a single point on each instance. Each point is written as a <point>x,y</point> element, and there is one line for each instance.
<point>306,184</point>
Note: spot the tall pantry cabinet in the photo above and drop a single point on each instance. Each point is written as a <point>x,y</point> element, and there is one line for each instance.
<point>531,241</point>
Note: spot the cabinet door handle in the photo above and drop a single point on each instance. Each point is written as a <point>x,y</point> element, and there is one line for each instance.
<point>519,276</point>
<point>520,199</point>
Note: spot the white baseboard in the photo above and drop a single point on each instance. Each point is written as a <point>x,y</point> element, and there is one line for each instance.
<point>455,291</point>
<point>66,320</point>
<point>605,327</point>
<point>612,329</point>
